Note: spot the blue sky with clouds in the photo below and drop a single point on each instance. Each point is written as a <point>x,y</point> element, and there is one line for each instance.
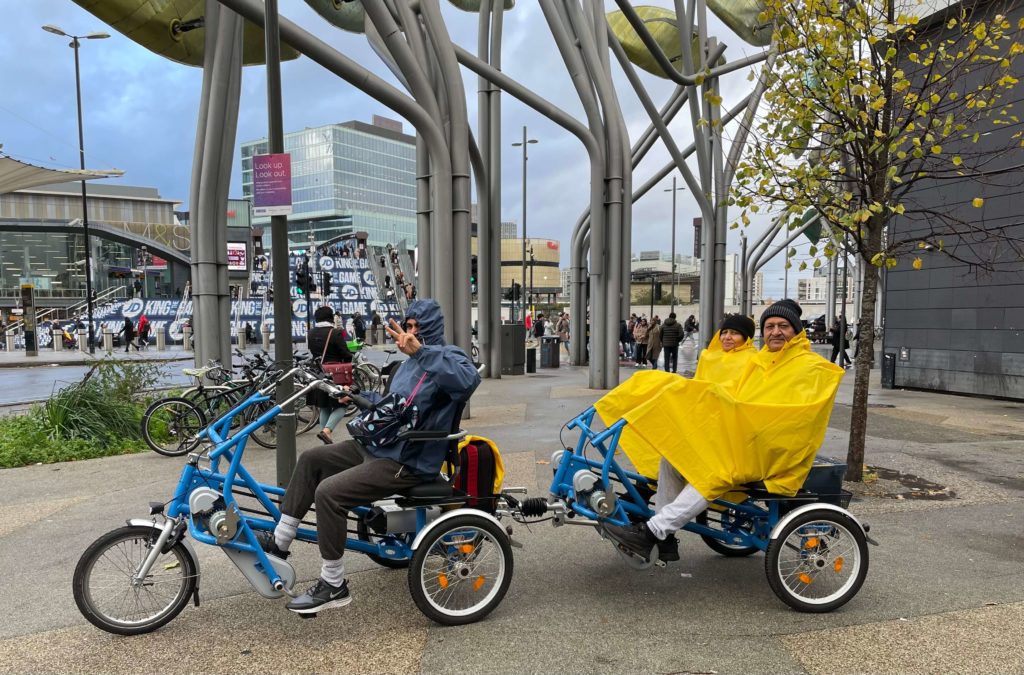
<point>140,112</point>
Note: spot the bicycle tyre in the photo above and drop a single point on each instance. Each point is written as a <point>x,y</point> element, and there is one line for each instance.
<point>364,534</point>
<point>366,377</point>
<point>822,539</point>
<point>140,540</point>
<point>265,435</point>
<point>179,418</point>
<point>719,546</point>
<point>450,556</point>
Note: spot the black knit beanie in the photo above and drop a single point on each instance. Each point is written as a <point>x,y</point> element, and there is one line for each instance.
<point>739,323</point>
<point>786,309</point>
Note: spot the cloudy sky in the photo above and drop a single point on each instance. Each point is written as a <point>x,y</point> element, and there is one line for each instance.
<point>140,112</point>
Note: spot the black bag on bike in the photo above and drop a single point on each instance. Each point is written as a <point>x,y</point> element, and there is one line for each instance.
<point>381,425</point>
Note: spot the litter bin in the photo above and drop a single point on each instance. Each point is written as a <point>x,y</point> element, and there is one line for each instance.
<point>549,356</point>
<point>888,371</point>
<point>531,359</point>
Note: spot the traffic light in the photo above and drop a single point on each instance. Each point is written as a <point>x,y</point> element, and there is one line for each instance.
<point>472,275</point>
<point>325,283</point>
<point>301,278</point>
<point>517,290</point>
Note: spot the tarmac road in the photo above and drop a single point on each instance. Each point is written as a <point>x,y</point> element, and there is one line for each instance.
<point>945,592</point>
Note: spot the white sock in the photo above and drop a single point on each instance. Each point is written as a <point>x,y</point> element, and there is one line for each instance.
<point>285,531</point>
<point>684,508</point>
<point>332,571</point>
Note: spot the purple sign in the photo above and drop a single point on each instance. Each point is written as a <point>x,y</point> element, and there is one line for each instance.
<point>272,185</point>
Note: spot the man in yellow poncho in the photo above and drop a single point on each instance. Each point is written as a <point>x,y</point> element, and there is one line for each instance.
<point>722,362</point>
<point>766,425</point>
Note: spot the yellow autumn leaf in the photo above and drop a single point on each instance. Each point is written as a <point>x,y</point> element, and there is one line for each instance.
<point>957,161</point>
<point>936,149</point>
<point>977,202</point>
<point>917,263</point>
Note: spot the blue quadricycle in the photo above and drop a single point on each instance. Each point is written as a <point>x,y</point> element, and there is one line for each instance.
<point>139,577</point>
<point>816,555</point>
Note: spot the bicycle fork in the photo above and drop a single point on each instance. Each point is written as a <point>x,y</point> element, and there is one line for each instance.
<point>158,546</point>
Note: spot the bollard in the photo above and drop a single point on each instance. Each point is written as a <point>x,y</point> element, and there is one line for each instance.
<point>161,339</point>
<point>241,341</point>
<point>186,334</point>
<point>9,338</point>
<point>58,339</point>
<point>108,340</point>
<point>266,337</point>
<point>371,337</point>
<point>83,339</point>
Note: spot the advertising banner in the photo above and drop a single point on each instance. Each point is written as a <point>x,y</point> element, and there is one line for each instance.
<point>236,256</point>
<point>272,185</point>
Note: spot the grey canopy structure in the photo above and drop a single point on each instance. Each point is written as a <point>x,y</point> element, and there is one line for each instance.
<point>18,175</point>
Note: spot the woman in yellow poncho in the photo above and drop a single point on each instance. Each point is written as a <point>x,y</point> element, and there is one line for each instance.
<point>722,362</point>
<point>766,425</point>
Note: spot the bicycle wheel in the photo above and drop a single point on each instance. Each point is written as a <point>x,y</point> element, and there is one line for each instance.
<point>306,417</point>
<point>265,435</point>
<point>366,377</point>
<point>818,562</point>
<point>171,426</point>
<point>726,522</point>
<point>103,588</point>
<point>461,570</point>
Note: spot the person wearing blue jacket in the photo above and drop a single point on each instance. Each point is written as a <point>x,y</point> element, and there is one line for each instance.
<point>440,378</point>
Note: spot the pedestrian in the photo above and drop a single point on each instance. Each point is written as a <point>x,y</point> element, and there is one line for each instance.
<point>625,337</point>
<point>138,288</point>
<point>359,326</point>
<point>840,343</point>
<point>671,336</point>
<point>630,346</point>
<point>654,342</point>
<point>640,335</point>
<point>128,330</point>
<point>538,326</point>
<point>562,330</point>
<point>529,324</point>
<point>327,343</point>
<point>248,333</point>
<point>144,329</point>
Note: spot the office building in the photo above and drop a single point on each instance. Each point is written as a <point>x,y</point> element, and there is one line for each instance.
<point>346,178</point>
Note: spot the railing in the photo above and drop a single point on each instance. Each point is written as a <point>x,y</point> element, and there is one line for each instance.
<point>109,295</point>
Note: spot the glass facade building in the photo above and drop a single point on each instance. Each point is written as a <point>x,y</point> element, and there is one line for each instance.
<point>346,178</point>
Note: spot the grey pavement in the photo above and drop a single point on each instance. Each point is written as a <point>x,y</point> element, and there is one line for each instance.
<point>945,592</point>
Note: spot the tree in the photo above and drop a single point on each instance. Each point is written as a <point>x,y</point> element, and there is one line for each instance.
<point>869,108</point>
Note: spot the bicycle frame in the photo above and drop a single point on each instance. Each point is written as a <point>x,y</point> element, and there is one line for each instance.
<point>230,449</point>
<point>761,519</point>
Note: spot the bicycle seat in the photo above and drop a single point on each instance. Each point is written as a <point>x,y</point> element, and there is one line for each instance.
<point>196,372</point>
<point>390,351</point>
<point>439,488</point>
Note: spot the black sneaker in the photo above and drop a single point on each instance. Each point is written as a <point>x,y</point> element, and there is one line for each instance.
<point>320,596</point>
<point>636,538</point>
<point>668,549</point>
<point>265,538</point>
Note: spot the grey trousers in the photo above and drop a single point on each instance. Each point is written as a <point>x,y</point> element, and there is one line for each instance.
<point>337,477</point>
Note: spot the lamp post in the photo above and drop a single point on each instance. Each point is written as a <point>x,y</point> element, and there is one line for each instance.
<point>524,143</point>
<point>75,43</point>
<point>673,190</point>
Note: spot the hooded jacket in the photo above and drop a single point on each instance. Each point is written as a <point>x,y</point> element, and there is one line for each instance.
<point>671,333</point>
<point>724,367</point>
<point>449,382</point>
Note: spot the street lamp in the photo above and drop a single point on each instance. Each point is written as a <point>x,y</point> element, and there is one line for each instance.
<point>524,143</point>
<point>673,190</point>
<point>75,43</point>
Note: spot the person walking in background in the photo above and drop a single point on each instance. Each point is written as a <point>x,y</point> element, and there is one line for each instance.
<point>562,330</point>
<point>359,326</point>
<point>144,329</point>
<point>539,326</point>
<point>654,342</point>
<point>328,343</point>
<point>640,335</point>
<point>671,336</point>
<point>840,343</point>
<point>690,327</point>
<point>128,330</point>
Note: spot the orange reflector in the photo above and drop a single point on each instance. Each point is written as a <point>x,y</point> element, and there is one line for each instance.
<point>811,543</point>
<point>805,578</point>
<point>478,583</point>
<point>442,580</point>
<point>466,548</point>
<point>838,565</point>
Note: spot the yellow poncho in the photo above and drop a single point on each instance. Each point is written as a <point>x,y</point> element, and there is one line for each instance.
<point>723,367</point>
<point>766,426</point>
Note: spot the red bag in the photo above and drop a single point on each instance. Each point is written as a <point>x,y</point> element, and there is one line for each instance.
<point>341,373</point>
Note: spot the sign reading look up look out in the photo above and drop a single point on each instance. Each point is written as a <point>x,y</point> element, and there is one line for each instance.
<point>272,185</point>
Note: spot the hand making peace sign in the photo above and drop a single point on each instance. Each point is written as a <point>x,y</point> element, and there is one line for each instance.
<point>405,341</point>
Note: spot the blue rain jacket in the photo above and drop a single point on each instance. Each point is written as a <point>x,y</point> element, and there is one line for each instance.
<point>451,379</point>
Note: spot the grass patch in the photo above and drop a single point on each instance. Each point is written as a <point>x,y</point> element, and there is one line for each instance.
<point>96,417</point>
